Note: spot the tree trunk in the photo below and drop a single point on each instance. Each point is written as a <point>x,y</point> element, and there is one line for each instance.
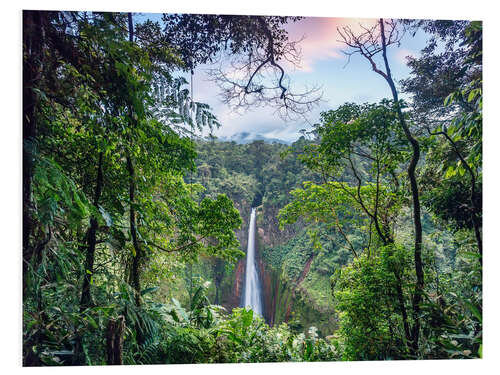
<point>419,286</point>
<point>114,341</point>
<point>133,225</point>
<point>91,235</point>
<point>32,67</point>
<point>133,231</point>
<point>218,270</point>
<point>91,241</point>
<point>136,261</point>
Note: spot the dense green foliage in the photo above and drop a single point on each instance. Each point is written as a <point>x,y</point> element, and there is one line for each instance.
<point>391,303</point>
<point>267,172</point>
<point>131,226</point>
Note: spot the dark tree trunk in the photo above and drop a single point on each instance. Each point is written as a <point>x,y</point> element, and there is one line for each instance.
<point>218,276</point>
<point>133,231</point>
<point>114,341</point>
<point>32,69</point>
<point>136,260</point>
<point>86,298</point>
<point>133,225</point>
<point>419,286</point>
<point>91,241</point>
<point>217,302</point>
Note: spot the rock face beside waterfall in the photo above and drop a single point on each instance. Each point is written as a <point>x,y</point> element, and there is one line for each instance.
<point>289,299</point>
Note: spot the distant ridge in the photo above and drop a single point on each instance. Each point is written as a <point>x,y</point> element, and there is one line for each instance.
<point>247,137</point>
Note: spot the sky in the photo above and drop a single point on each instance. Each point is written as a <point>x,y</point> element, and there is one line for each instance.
<point>322,64</point>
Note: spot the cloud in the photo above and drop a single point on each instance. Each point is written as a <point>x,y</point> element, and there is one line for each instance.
<point>261,120</point>
<point>320,39</point>
<point>402,54</point>
<point>321,42</point>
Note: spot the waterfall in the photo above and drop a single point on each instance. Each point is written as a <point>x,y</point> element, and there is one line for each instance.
<point>252,295</point>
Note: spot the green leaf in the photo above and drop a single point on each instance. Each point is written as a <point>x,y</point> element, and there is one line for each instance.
<point>470,254</point>
<point>472,95</point>
<point>91,320</point>
<point>448,100</point>
<point>247,318</point>
<point>149,290</point>
<point>180,310</point>
<point>450,172</point>
<point>475,311</point>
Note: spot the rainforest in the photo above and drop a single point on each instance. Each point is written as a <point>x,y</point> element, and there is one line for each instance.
<point>150,238</point>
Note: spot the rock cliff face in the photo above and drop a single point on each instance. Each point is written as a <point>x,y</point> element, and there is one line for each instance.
<point>268,227</point>
<point>268,285</point>
<point>232,295</point>
<point>285,300</point>
<point>238,285</point>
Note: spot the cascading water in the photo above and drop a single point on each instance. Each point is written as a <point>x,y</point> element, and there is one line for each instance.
<point>252,295</point>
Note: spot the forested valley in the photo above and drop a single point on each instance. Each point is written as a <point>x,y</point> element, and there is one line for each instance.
<point>135,221</point>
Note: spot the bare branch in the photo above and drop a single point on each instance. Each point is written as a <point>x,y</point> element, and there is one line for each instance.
<point>258,78</point>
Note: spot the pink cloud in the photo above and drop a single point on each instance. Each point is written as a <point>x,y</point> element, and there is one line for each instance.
<point>320,38</point>
<point>403,53</point>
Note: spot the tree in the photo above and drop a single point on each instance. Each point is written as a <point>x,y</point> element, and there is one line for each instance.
<point>364,293</point>
<point>447,64</point>
<point>100,148</point>
<point>359,153</point>
<point>459,120</point>
<point>368,44</point>
<point>43,31</point>
<point>257,45</point>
